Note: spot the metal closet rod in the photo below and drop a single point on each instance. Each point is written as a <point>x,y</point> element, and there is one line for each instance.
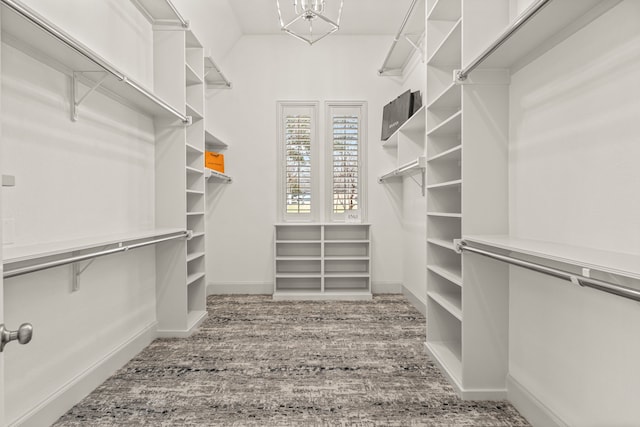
<point>601,285</point>
<point>48,28</point>
<point>397,37</point>
<point>46,265</point>
<point>522,19</point>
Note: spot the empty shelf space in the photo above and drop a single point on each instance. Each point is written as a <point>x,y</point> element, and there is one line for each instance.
<point>346,258</point>
<point>454,276</point>
<point>449,302</point>
<point>345,275</point>
<point>301,275</point>
<point>449,356</point>
<point>449,99</point>
<point>213,141</point>
<point>296,241</point>
<point>445,10</point>
<point>298,258</point>
<point>192,148</point>
<point>194,256</point>
<point>192,278</point>
<point>448,184</point>
<point>194,213</point>
<point>451,126</point>
<point>192,77</point>
<point>448,53</point>
<point>194,170</point>
<point>195,317</point>
<point>447,244</point>
<point>452,154</point>
<point>195,192</point>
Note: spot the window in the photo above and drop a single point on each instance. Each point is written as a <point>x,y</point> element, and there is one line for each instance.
<point>301,197</point>
<point>346,172</point>
<point>298,142</point>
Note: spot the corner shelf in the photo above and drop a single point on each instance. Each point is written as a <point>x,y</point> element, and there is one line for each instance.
<point>27,31</point>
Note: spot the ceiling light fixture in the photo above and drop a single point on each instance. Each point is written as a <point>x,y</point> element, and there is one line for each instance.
<point>304,14</point>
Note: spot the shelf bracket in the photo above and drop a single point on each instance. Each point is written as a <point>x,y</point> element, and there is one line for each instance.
<point>415,46</point>
<point>77,270</point>
<point>75,102</point>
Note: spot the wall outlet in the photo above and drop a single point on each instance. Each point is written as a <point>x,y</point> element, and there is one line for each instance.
<point>8,231</point>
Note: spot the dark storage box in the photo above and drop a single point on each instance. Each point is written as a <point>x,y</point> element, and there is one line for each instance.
<point>395,113</point>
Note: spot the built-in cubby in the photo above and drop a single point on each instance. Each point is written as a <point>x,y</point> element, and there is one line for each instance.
<point>322,261</point>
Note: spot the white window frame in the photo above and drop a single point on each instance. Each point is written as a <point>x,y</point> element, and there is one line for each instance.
<point>348,107</point>
<point>299,107</point>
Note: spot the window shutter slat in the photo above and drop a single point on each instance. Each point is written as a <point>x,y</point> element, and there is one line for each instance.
<point>345,162</point>
<point>298,163</point>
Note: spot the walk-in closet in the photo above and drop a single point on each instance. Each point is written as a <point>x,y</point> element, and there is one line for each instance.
<point>320,212</point>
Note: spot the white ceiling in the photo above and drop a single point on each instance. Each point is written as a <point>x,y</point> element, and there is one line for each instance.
<point>358,16</point>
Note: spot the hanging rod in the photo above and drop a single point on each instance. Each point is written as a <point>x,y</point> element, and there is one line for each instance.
<point>214,66</point>
<point>462,75</point>
<point>68,41</point>
<point>183,21</point>
<point>397,37</point>
<point>601,285</point>
<point>51,264</point>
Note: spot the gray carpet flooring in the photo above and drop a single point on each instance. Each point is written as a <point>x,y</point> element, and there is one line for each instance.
<point>257,362</point>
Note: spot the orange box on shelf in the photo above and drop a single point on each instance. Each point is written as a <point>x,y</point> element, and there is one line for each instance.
<point>214,161</point>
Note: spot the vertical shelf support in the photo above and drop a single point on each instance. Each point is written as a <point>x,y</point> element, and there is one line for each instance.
<point>75,102</point>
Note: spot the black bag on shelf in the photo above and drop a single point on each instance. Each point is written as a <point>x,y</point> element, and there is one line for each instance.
<point>398,111</point>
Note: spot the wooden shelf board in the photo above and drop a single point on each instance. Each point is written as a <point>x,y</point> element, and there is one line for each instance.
<point>448,302</point>
<point>192,278</point>
<point>195,114</point>
<point>194,256</point>
<point>415,123</point>
<point>195,192</point>
<point>192,77</point>
<point>191,40</point>
<point>449,99</point>
<point>298,275</point>
<point>338,275</point>
<point>352,295</point>
<point>347,258</point>
<point>347,241</point>
<point>213,141</point>
<point>447,273</point>
<point>299,241</point>
<point>449,52</point>
<point>194,170</point>
<point>194,149</point>
<point>445,214</point>
<point>622,264</point>
<point>194,213</point>
<point>195,318</point>
<point>298,258</point>
<point>19,253</point>
<point>454,183</point>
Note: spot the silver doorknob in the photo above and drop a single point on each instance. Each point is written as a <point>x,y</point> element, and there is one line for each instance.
<point>22,335</point>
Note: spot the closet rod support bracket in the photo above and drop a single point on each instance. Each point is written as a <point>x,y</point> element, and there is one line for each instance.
<point>75,102</point>
<point>77,270</point>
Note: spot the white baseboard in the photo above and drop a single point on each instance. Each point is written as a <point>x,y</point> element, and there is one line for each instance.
<point>240,288</point>
<point>530,407</point>
<point>420,305</point>
<point>386,288</point>
<point>76,389</point>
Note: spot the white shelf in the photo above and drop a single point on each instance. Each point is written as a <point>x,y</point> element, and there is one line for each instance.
<point>454,277</point>
<point>298,275</point>
<point>191,41</point>
<point>210,174</point>
<point>194,170</point>
<point>552,24</point>
<point>298,241</point>
<point>20,253</point>
<point>621,264</point>
<point>195,318</point>
<point>449,302</point>
<point>160,12</point>
<point>194,213</point>
<point>407,169</point>
<point>194,149</point>
<point>445,10</point>
<point>445,214</point>
<point>298,258</point>
<point>447,244</point>
<point>25,32</point>
<point>312,294</point>
<point>449,99</point>
<point>192,278</point>
<point>448,355</point>
<point>195,192</point>
<point>346,258</point>
<point>415,123</point>
<point>213,141</point>
<point>448,53</point>
<point>213,75</point>
<point>345,241</point>
<point>192,77</point>
<point>452,154</point>
<point>448,184</point>
<point>195,114</point>
<point>194,256</point>
<point>336,275</point>
<point>451,126</point>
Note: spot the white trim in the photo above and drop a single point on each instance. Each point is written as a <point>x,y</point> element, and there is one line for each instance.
<point>530,407</point>
<point>168,333</point>
<point>77,388</point>
<point>363,114</point>
<point>316,198</point>
<point>386,288</point>
<point>240,288</point>
<point>415,300</point>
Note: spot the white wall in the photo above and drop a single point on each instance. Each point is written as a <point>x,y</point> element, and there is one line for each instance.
<point>88,178</point>
<point>574,179</point>
<point>240,216</point>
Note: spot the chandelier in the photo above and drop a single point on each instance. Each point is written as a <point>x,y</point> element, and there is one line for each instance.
<point>307,20</point>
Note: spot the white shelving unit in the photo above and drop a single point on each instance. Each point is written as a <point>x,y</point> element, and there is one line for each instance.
<point>322,261</point>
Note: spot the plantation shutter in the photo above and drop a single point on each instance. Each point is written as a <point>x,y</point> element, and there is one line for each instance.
<point>345,169</point>
<point>297,135</point>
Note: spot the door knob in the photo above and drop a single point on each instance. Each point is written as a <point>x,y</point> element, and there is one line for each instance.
<point>22,335</point>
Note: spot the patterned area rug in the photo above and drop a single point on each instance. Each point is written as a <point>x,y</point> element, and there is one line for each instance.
<point>257,362</point>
